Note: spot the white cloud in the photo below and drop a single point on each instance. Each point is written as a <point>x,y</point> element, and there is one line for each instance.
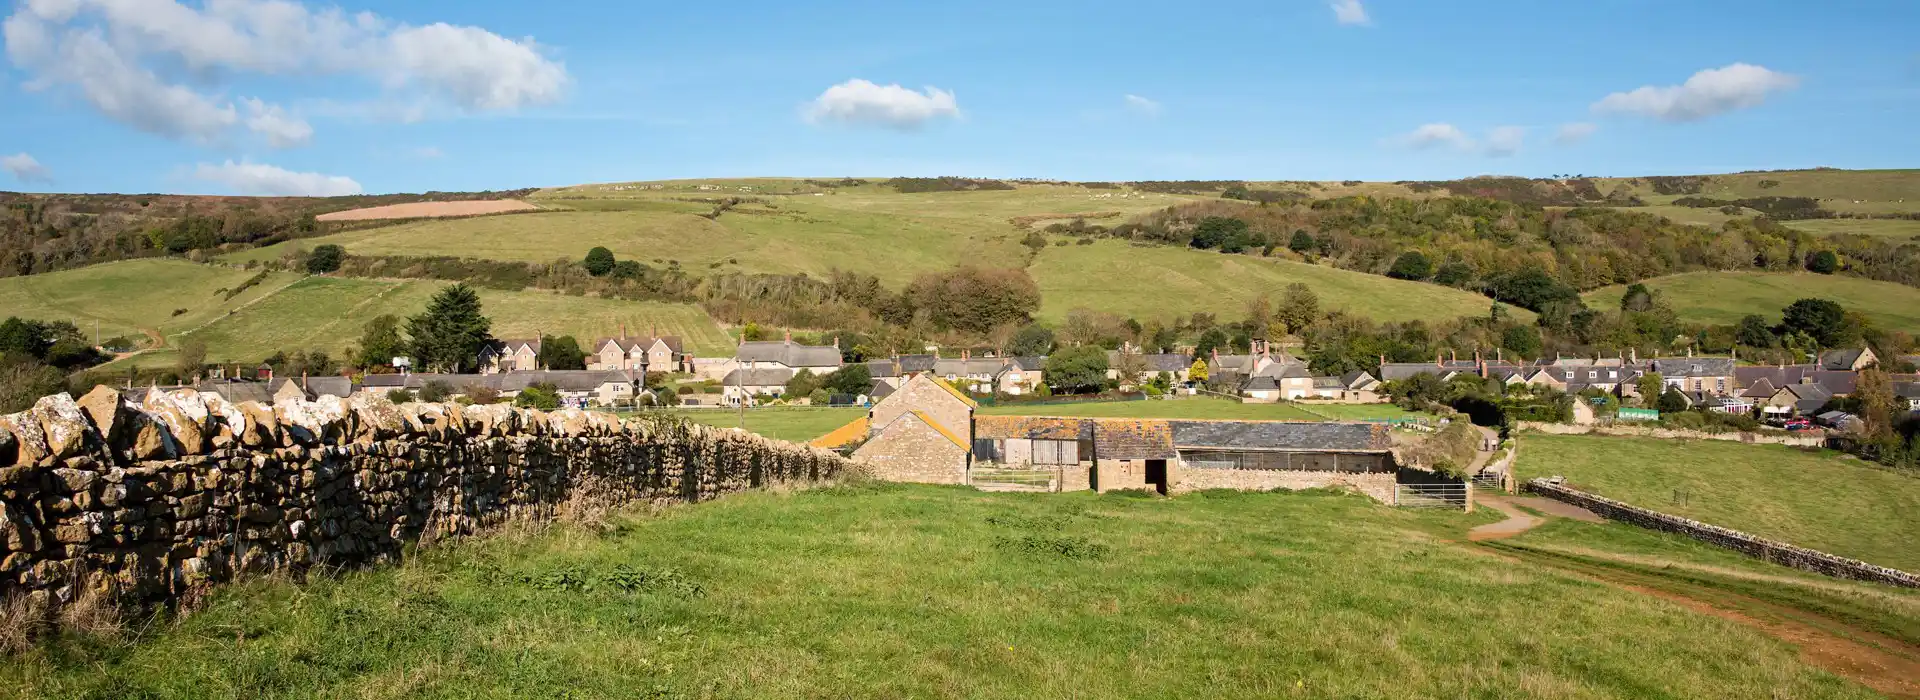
<point>160,65</point>
<point>24,168</point>
<point>1143,106</point>
<point>1707,93</point>
<point>1574,132</point>
<point>272,122</point>
<point>861,102</point>
<point>1505,141</point>
<point>266,180</point>
<point>1431,135</point>
<point>1350,12</point>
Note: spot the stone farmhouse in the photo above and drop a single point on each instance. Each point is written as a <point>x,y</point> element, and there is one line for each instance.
<point>643,354</point>
<point>1262,377</point>
<point>927,431</point>
<point>763,368</point>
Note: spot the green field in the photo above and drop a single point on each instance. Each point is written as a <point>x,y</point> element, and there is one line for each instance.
<point>790,423</point>
<point>1724,297</point>
<point>123,298</point>
<point>1897,228</point>
<point>891,591</point>
<point>1160,282</point>
<point>1815,499</point>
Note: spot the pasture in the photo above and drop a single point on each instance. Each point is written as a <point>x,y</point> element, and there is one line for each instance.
<point>136,298</point>
<point>882,590</point>
<point>1812,498</point>
<point>1724,297</point>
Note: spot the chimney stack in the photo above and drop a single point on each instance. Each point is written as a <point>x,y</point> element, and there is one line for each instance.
<point>1453,355</point>
<point>1383,360</point>
<point>789,337</point>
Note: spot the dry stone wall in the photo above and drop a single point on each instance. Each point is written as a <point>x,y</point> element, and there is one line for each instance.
<point>1751,545</point>
<point>144,502</point>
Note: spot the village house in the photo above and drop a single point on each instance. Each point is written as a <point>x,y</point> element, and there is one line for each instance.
<point>510,355</point>
<point>787,355</point>
<point>1576,374</point>
<point>309,388</point>
<point>643,354</point>
<point>976,375</point>
<point>1708,375</point>
<point>1909,394</point>
<point>1021,375</point>
<point>746,385</point>
<point>1848,359</point>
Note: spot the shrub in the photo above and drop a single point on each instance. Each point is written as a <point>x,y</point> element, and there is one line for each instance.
<point>435,391</point>
<point>325,259</point>
<point>399,396</point>
<point>599,261</point>
<point>1824,262</point>
<point>1411,265</point>
<point>543,396</point>
<point>482,394</point>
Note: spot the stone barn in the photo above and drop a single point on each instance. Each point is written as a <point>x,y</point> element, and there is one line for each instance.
<point>922,432</point>
<point>1264,455</point>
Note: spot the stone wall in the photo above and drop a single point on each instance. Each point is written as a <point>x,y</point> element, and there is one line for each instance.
<point>1757,547</point>
<point>1190,478</point>
<point>1803,439</point>
<point>913,450</point>
<point>146,502</point>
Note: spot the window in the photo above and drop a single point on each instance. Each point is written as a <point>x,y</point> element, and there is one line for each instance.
<point>1593,374</point>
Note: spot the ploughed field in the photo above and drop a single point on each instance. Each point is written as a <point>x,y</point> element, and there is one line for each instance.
<point>886,591</point>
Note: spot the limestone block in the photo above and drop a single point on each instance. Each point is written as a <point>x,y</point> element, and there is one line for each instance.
<point>225,420</point>
<point>185,420</point>
<point>75,480</point>
<point>259,428</point>
<point>376,418</point>
<point>312,422</point>
<point>66,426</point>
<point>17,530</point>
<point>411,418</point>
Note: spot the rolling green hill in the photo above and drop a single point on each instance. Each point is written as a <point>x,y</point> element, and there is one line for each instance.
<point>286,312</point>
<point>1724,297</point>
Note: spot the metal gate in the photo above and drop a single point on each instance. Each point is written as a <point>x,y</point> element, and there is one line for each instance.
<point>1431,495</point>
<point>1490,481</point>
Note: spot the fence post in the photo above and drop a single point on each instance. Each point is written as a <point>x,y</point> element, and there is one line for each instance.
<point>1469,496</point>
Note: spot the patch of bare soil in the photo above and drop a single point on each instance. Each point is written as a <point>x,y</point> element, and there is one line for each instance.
<point>428,210</point>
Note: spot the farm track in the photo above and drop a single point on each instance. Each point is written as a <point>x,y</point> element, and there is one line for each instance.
<point>1883,663</point>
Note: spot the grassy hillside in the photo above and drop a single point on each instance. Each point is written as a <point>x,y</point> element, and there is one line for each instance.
<point>1724,297</point>
<point>1813,499</point>
<point>1897,228</point>
<point>1162,282</point>
<point>912,591</point>
<point>135,296</point>
<point>285,312</point>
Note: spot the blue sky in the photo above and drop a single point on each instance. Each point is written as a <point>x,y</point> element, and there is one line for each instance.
<point>281,97</point>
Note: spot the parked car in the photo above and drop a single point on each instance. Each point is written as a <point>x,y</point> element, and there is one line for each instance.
<point>1799,424</point>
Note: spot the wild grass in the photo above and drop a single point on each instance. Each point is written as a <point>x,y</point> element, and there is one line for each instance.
<point>1158,282</point>
<point>121,298</point>
<point>1812,498</point>
<point>882,590</point>
<point>1724,297</point>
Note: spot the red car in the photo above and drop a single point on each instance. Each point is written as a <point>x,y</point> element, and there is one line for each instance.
<point>1799,424</point>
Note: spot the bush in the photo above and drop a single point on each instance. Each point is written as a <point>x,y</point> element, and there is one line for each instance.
<point>481,394</point>
<point>435,391</point>
<point>599,262</point>
<point>399,396</point>
<point>543,396</point>
<point>325,259</point>
<point>1411,265</point>
<point>1824,262</point>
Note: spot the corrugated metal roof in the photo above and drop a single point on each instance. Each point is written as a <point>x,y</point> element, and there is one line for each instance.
<point>1278,435</point>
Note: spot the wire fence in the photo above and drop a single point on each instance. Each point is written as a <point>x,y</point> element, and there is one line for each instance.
<point>1432,495</point>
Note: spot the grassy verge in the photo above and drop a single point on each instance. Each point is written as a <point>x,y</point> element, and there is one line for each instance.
<point>899,591</point>
<point>1816,499</point>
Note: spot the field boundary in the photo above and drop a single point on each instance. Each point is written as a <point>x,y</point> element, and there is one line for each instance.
<point>1751,545</point>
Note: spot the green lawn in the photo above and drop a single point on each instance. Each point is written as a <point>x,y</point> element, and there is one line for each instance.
<point>1818,499</point>
<point>891,591</point>
<point>791,423</point>
<point>1161,282</point>
<point>1199,408</point>
<point>1724,297</point>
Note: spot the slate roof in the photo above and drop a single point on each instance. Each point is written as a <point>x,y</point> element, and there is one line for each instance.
<point>315,386</point>
<point>1669,367</point>
<point>882,368</point>
<point>642,342</point>
<point>880,390</point>
<point>961,368</point>
<point>1031,427</point>
<point>1274,435</point>
<point>1119,438</point>
<point>758,377</point>
<point>1328,383</point>
<point>917,363</point>
<point>1840,359</point>
<point>1398,371</point>
<point>236,391</point>
<point>1261,383</point>
<point>1907,390</point>
<point>1760,389</point>
<point>1357,378</point>
<point>507,346</point>
<point>1777,375</point>
<point>1030,363</point>
<point>1838,382</point>
<point>788,353</point>
<point>1168,362</point>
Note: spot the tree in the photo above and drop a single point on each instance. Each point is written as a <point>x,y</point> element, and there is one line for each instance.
<point>1077,369</point>
<point>1453,274</point>
<point>24,381</point>
<point>1672,401</point>
<point>1532,288</point>
<point>543,396</point>
<point>1210,341</point>
<point>1824,262</point>
<point>23,339</point>
<point>449,335</point>
<point>1260,317</point>
<point>1521,340</point>
<point>1302,242</point>
<point>1299,308</point>
<point>1411,265</point>
<point>1030,341</point>
<point>852,380</point>
<point>599,261</point>
<point>974,299</point>
<point>1132,367</point>
<point>801,384</point>
<point>193,358</point>
<point>1650,385</point>
<point>1198,372</point>
<point>1874,390</point>
<point>325,259</point>
<point>435,391</point>
<point>380,341</point>
<point>1222,232</point>
<point>1637,298</point>
<point>1753,332</point>
<point>561,353</point>
<point>1825,321</point>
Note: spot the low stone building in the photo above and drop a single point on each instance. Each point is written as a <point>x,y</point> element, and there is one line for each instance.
<point>909,431</point>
